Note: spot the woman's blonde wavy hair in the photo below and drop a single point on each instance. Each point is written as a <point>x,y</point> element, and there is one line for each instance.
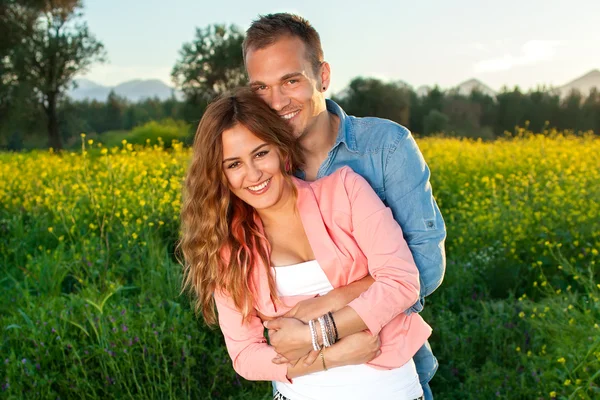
<point>221,240</point>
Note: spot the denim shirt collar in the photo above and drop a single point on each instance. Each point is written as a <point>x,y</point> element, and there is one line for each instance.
<point>346,132</point>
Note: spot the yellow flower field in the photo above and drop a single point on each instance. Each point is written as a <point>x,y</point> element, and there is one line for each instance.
<point>87,248</point>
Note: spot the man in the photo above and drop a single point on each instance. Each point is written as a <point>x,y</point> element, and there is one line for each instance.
<point>285,65</point>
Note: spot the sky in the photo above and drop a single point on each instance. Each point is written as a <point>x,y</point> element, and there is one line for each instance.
<point>445,42</point>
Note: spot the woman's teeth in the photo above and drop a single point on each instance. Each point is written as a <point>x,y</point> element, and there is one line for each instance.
<point>259,187</point>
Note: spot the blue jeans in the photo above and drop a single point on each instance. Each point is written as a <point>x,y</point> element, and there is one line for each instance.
<point>427,366</point>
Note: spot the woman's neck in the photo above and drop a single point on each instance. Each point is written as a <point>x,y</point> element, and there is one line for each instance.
<point>281,211</point>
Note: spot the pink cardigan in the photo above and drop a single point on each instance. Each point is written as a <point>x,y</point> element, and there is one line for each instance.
<point>352,234</point>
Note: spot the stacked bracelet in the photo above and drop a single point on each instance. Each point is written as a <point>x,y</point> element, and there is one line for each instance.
<point>334,326</point>
<point>329,332</point>
<point>313,335</point>
<point>324,332</point>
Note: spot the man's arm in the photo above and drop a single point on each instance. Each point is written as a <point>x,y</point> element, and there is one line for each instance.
<point>408,193</point>
<point>333,301</point>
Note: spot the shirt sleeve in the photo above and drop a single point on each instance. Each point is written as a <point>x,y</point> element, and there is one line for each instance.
<point>390,263</point>
<point>246,344</point>
<point>409,195</point>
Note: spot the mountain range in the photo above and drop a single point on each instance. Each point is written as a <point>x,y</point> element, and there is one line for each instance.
<point>138,89</point>
<point>135,90</point>
<point>583,85</point>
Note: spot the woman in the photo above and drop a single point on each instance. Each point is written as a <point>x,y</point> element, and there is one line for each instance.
<point>256,241</point>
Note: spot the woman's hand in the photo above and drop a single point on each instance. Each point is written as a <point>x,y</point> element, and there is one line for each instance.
<point>290,337</point>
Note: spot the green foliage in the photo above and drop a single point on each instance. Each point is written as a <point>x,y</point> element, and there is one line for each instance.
<point>150,133</point>
<point>368,97</point>
<point>209,65</point>
<point>435,122</point>
<point>51,52</point>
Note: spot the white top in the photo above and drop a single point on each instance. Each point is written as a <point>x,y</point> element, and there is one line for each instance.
<point>351,382</point>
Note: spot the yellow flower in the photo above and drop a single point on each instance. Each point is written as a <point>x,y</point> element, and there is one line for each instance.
<point>50,229</point>
<point>561,360</point>
<point>518,349</point>
<point>552,394</point>
<point>134,235</point>
<point>521,314</point>
<point>567,382</point>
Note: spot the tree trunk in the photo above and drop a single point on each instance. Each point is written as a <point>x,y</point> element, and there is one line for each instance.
<point>54,139</point>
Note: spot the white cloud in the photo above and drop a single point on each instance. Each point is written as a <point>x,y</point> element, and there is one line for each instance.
<point>532,52</point>
<point>112,75</point>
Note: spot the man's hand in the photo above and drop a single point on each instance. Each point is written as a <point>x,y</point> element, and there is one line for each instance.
<point>311,308</point>
<point>291,339</point>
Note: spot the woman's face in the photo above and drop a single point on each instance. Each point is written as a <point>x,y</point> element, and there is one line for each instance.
<point>252,168</point>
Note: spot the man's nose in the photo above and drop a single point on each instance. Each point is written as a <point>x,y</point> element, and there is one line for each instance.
<point>278,99</point>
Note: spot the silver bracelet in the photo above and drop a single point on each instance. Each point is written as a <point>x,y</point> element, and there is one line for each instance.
<point>324,331</point>
<point>313,335</point>
<point>330,333</point>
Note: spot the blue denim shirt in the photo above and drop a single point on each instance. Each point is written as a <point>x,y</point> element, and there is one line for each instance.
<point>387,156</point>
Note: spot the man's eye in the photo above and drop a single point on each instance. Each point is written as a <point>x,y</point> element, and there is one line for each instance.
<point>292,81</point>
<point>260,88</point>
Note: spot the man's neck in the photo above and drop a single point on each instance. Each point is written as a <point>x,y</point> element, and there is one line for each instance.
<point>318,141</point>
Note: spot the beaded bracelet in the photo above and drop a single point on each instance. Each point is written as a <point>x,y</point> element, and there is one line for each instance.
<point>324,331</point>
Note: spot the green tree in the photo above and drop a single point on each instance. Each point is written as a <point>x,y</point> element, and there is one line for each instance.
<point>210,65</point>
<point>374,98</point>
<point>435,122</point>
<point>115,112</point>
<point>58,47</point>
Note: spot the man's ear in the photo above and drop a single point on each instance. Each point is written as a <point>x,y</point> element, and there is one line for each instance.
<point>325,75</point>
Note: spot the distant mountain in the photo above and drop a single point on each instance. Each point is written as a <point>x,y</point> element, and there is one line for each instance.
<point>469,86</point>
<point>134,91</point>
<point>583,84</point>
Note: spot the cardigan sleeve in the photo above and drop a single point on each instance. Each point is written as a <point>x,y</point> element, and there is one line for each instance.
<point>390,262</point>
<point>246,344</point>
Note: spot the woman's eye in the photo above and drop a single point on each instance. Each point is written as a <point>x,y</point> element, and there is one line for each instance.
<point>262,153</point>
<point>233,165</point>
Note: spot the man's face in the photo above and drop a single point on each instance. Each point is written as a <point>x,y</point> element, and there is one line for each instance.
<point>284,78</point>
